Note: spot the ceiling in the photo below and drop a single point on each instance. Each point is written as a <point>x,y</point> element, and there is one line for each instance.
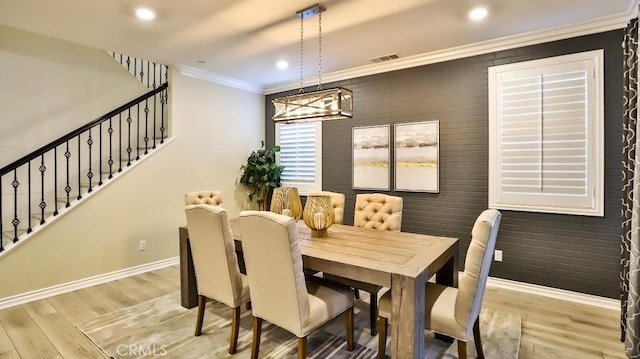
<point>243,39</point>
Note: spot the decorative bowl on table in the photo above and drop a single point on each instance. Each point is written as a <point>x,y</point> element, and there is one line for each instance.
<point>318,214</point>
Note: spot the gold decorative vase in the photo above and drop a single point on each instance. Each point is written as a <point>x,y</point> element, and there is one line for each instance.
<point>318,214</point>
<point>285,200</point>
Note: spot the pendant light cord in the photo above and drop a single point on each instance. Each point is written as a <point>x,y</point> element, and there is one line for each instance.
<point>301,90</point>
<point>320,51</point>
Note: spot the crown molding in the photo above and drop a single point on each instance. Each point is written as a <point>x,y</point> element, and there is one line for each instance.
<point>219,79</point>
<point>509,42</point>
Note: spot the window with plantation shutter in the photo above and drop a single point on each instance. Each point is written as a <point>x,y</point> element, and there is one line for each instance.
<point>546,136</point>
<point>301,154</point>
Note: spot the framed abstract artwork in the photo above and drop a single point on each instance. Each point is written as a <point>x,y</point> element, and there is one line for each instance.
<point>371,156</point>
<point>417,156</point>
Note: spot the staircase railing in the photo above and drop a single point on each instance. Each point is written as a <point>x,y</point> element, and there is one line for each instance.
<point>148,73</point>
<point>82,159</point>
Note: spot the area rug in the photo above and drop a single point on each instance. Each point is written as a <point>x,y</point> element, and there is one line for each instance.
<point>162,328</point>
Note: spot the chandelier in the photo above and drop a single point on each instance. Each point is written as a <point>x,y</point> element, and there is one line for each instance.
<point>319,105</point>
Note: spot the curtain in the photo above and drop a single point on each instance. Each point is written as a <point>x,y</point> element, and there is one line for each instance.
<point>630,246</point>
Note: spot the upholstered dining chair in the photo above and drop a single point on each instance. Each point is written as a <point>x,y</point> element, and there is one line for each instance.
<point>338,200</point>
<point>455,311</point>
<point>375,211</point>
<point>203,197</point>
<point>215,264</point>
<point>279,293</point>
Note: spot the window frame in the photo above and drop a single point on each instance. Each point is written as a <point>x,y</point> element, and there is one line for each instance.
<point>305,188</point>
<point>594,65</point>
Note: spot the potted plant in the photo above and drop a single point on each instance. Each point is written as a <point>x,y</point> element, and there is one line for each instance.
<point>261,174</point>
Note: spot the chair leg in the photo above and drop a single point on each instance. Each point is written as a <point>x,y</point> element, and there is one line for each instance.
<point>235,327</point>
<point>477,340</point>
<point>201,302</point>
<point>462,349</point>
<point>247,305</point>
<point>302,347</point>
<point>349,328</point>
<point>257,330</point>
<point>373,312</point>
<point>356,293</point>
<point>382,338</point>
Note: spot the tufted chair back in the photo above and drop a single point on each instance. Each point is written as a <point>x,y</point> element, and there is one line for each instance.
<point>213,198</point>
<point>214,256</point>
<point>338,204</point>
<point>378,211</point>
<point>473,280</point>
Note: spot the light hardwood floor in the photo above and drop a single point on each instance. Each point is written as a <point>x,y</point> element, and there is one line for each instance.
<point>551,328</point>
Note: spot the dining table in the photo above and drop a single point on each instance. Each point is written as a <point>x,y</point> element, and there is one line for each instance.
<point>401,261</point>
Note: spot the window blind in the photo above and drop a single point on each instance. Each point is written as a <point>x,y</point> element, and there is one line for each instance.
<point>546,135</point>
<point>298,153</point>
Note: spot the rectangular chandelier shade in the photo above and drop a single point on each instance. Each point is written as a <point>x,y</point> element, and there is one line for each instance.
<point>320,105</point>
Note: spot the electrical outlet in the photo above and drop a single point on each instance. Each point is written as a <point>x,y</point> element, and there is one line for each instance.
<point>142,245</point>
<point>497,255</point>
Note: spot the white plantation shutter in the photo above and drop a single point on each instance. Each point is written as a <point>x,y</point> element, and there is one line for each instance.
<point>301,154</point>
<point>546,136</point>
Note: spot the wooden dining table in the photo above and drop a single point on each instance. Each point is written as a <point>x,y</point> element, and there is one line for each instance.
<point>398,260</point>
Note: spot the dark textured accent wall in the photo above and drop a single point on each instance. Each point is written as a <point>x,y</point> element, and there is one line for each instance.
<point>576,253</point>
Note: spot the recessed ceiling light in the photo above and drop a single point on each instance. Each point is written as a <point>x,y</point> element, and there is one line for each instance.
<point>478,13</point>
<point>282,65</point>
<point>145,14</point>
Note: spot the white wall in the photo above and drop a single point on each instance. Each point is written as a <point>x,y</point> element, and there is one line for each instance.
<point>49,87</point>
<point>215,129</point>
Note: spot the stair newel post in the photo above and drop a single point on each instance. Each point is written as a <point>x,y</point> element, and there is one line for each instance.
<point>100,154</point>
<point>89,173</point>
<point>29,229</point>
<point>67,187</point>
<point>79,171</point>
<point>55,181</point>
<point>43,204</point>
<point>15,222</point>
<point>110,161</point>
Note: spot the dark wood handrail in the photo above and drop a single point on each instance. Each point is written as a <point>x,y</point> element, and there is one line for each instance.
<point>15,164</point>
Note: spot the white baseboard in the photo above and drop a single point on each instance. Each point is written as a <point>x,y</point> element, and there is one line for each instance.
<point>588,299</point>
<point>84,283</point>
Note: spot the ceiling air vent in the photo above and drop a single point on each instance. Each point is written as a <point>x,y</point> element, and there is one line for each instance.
<point>384,58</point>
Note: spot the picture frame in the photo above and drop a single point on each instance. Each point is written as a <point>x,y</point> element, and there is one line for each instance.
<point>371,155</point>
<point>417,157</point>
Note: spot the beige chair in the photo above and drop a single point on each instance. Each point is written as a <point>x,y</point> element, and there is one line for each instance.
<point>215,264</point>
<point>213,198</point>
<point>338,204</point>
<point>375,211</point>
<point>378,211</point>
<point>455,311</point>
<point>279,293</point>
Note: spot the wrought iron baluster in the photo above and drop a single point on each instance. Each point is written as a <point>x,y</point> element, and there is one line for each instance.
<point>79,171</point>
<point>166,74</point>
<point>146,126</point>
<point>161,117</point>
<point>120,141</point>
<point>43,204</point>
<point>67,188</point>
<point>129,120</point>
<point>138,132</point>
<point>135,64</point>
<point>15,222</point>
<point>100,154</point>
<point>129,64</point>
<point>154,75</point>
<point>148,64</point>
<point>155,116</point>
<point>142,72</point>
<point>110,162</point>
<point>90,174</point>
<point>29,229</point>
<point>55,181</point>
